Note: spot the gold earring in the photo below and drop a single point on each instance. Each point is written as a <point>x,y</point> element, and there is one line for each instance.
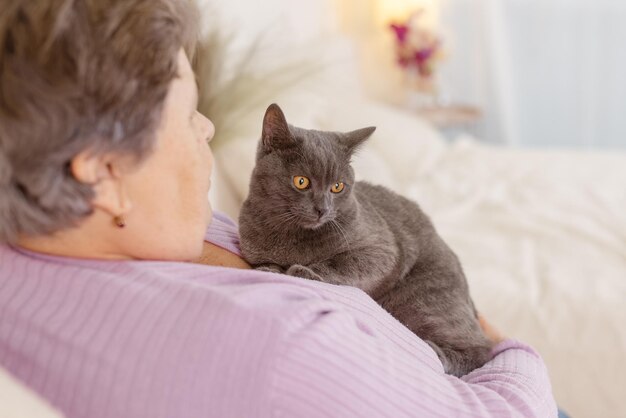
<point>119,221</point>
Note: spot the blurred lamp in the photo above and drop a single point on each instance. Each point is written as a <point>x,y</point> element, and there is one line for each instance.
<point>399,10</point>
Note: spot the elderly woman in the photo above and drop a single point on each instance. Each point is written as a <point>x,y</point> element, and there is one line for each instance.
<point>122,295</point>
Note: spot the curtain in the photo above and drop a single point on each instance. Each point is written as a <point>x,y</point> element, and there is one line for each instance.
<point>544,72</point>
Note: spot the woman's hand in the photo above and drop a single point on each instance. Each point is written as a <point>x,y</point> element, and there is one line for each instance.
<point>493,334</point>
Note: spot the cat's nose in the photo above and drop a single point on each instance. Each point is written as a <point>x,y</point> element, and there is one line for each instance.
<point>321,212</point>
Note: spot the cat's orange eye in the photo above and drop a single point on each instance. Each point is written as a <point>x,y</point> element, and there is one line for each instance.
<point>301,182</point>
<point>337,187</point>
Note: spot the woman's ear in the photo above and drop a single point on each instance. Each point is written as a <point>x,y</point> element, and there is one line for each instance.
<point>104,172</point>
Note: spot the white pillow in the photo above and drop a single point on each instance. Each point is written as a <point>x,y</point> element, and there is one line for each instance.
<point>17,401</point>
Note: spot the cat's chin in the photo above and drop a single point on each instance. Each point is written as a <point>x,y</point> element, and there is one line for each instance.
<point>314,225</point>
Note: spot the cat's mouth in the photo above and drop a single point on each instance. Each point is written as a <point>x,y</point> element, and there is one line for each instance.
<point>314,225</point>
<point>314,222</point>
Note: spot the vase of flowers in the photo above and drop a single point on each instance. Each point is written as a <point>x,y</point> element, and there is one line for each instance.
<point>418,52</point>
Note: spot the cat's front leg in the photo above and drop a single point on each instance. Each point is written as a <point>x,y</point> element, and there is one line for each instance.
<point>442,356</point>
<point>299,270</point>
<point>272,268</point>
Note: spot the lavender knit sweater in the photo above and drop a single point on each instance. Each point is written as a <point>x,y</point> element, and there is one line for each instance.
<point>165,339</point>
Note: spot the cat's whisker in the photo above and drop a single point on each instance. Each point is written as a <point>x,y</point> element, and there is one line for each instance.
<point>333,226</point>
<point>279,219</point>
<point>338,227</point>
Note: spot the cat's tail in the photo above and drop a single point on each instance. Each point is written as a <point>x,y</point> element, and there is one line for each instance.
<point>460,361</point>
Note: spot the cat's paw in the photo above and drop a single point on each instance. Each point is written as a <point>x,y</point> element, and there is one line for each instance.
<point>272,268</point>
<point>442,356</point>
<point>299,270</point>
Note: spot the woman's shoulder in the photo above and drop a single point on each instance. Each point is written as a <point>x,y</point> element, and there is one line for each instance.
<point>223,231</point>
<point>153,323</point>
<point>147,326</point>
<point>261,294</point>
<point>149,287</point>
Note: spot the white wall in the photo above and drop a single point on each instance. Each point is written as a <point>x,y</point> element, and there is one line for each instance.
<point>287,22</point>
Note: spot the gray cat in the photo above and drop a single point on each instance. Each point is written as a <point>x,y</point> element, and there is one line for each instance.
<point>306,216</point>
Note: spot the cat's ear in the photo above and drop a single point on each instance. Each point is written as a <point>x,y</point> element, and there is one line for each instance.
<point>276,133</point>
<point>354,139</point>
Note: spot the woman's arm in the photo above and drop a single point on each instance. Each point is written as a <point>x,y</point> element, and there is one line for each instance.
<point>335,365</point>
<point>213,255</point>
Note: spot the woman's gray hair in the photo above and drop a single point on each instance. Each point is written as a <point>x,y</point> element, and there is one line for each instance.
<point>78,75</point>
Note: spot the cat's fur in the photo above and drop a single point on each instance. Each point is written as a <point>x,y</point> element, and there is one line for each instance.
<point>367,236</point>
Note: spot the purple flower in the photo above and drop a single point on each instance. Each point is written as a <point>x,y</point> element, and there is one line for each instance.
<point>401,32</point>
<point>416,47</point>
<point>423,55</point>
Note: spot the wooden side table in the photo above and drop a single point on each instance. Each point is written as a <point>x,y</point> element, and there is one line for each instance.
<point>452,120</point>
<point>450,116</point>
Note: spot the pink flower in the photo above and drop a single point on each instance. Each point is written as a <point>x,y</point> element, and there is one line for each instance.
<point>401,32</point>
<point>416,47</point>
